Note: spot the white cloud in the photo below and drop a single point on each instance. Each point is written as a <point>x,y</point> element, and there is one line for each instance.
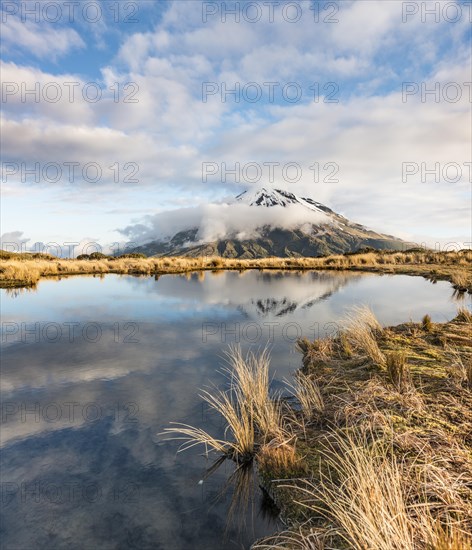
<point>14,241</point>
<point>32,141</point>
<point>169,132</point>
<point>30,91</point>
<point>222,220</point>
<point>40,40</point>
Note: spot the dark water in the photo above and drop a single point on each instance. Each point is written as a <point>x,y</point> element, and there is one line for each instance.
<point>94,368</point>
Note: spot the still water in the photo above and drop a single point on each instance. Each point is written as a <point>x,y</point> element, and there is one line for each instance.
<point>93,369</point>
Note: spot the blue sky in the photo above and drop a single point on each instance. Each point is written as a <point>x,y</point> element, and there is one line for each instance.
<point>161,55</point>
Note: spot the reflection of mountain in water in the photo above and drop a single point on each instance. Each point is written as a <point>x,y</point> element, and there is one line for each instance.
<point>254,293</point>
<point>278,308</point>
<point>319,287</point>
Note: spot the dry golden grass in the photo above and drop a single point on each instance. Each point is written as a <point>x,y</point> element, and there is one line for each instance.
<point>452,538</point>
<point>426,323</point>
<point>239,442</point>
<point>254,419</point>
<point>308,394</point>
<point>398,371</point>
<point>250,380</point>
<point>370,501</point>
<point>461,279</point>
<point>461,368</point>
<point>296,539</point>
<point>279,458</point>
<point>28,269</point>
<point>464,315</point>
<point>381,468</point>
<point>387,467</point>
<point>362,495</point>
<point>321,348</point>
<point>361,330</point>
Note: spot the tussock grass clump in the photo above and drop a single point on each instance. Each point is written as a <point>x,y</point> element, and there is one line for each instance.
<point>253,418</point>
<point>461,367</point>
<point>316,351</point>
<point>398,370</point>
<point>240,444</point>
<point>449,538</point>
<point>387,469</point>
<point>238,417</point>
<point>250,382</point>
<point>217,262</point>
<point>370,500</point>
<point>308,394</point>
<point>362,495</point>
<point>280,460</point>
<point>345,346</point>
<point>364,315</point>
<point>464,315</point>
<point>461,280</point>
<point>361,332</point>
<point>322,348</point>
<point>426,323</point>
<point>297,539</point>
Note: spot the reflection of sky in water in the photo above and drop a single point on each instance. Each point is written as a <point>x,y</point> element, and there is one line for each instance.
<point>82,465</point>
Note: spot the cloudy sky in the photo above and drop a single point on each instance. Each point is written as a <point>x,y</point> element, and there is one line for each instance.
<point>113,112</point>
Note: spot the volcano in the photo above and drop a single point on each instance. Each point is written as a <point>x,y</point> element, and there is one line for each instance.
<point>320,232</point>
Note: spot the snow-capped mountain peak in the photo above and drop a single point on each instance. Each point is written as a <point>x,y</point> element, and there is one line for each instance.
<point>267,197</point>
<point>253,225</point>
<point>277,197</point>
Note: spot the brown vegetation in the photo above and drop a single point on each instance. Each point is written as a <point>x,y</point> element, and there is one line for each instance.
<point>388,461</point>
<point>28,269</point>
<point>254,419</point>
<point>368,454</point>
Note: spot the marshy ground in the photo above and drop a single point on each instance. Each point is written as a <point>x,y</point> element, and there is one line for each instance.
<point>20,270</point>
<point>374,448</point>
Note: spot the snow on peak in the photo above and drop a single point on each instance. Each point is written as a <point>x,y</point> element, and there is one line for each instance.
<point>267,197</point>
<point>278,197</point>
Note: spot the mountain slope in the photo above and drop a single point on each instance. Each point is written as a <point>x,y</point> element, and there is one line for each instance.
<point>321,231</point>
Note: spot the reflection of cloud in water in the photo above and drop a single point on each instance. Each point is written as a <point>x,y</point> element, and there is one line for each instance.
<point>162,375</point>
<point>116,500</point>
<point>258,293</point>
<point>172,510</point>
<point>157,374</point>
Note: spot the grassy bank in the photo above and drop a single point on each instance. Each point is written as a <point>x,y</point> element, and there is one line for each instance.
<point>374,449</point>
<point>20,270</point>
